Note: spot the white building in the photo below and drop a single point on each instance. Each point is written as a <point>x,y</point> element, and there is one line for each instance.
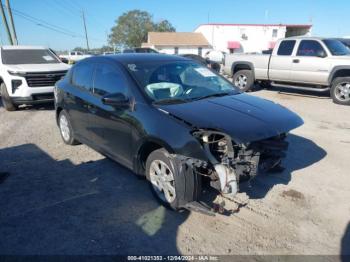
<point>248,37</point>
<point>178,43</point>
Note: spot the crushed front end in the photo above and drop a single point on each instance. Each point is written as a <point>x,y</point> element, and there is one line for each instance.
<point>230,162</point>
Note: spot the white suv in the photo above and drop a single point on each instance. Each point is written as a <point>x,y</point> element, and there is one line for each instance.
<point>28,75</point>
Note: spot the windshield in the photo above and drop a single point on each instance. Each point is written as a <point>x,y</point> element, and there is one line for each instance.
<point>336,47</point>
<point>27,56</point>
<point>179,81</point>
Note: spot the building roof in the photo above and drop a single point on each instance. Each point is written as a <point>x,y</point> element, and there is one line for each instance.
<point>307,26</point>
<point>176,39</point>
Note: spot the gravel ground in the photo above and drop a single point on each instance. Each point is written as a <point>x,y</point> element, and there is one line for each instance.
<point>58,199</point>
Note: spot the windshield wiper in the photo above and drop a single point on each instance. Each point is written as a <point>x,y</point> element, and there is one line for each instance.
<point>213,95</point>
<point>171,101</point>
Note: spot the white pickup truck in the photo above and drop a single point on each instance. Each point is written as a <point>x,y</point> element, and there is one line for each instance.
<point>305,63</point>
<point>28,75</point>
<point>73,57</point>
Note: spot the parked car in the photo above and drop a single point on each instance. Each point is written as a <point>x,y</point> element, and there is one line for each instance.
<point>172,120</point>
<point>74,56</point>
<point>305,63</point>
<point>140,50</point>
<point>211,64</point>
<point>28,75</point>
<point>215,56</point>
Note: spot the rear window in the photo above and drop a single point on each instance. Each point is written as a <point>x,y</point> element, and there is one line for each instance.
<point>27,56</point>
<point>286,47</point>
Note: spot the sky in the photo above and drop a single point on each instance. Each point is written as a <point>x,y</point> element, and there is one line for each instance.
<point>329,18</point>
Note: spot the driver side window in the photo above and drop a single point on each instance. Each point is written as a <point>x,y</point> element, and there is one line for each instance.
<point>310,48</point>
<point>109,80</point>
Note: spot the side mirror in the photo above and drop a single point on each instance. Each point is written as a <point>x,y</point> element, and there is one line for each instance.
<point>117,99</point>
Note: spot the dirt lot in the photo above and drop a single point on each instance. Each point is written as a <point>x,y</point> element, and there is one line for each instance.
<point>70,200</point>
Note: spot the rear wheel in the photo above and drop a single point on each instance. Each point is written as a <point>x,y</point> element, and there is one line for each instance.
<point>244,80</point>
<point>172,182</point>
<point>6,99</point>
<point>66,129</point>
<point>340,90</point>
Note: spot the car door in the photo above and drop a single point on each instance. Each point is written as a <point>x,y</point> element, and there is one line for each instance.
<point>110,124</point>
<point>310,64</point>
<point>77,100</point>
<point>281,61</point>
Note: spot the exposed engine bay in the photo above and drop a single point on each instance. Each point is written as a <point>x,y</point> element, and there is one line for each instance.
<point>231,162</point>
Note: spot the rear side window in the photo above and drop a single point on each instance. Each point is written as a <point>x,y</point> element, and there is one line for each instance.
<point>286,47</point>
<point>109,80</point>
<point>82,75</point>
<point>309,48</point>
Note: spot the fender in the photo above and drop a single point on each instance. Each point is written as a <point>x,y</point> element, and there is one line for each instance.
<point>335,70</point>
<point>137,167</point>
<point>250,64</point>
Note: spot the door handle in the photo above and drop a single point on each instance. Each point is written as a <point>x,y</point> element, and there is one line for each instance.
<point>296,61</point>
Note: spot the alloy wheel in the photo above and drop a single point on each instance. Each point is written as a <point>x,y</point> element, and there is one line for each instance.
<point>64,127</point>
<point>241,81</point>
<point>342,92</point>
<point>162,180</point>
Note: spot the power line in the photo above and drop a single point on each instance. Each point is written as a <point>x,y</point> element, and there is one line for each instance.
<point>47,25</point>
<point>20,13</point>
<point>63,7</point>
<point>70,5</point>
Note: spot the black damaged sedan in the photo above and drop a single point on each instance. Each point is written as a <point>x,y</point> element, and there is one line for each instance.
<point>172,120</point>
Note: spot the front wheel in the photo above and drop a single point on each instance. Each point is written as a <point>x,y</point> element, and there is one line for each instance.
<point>172,182</point>
<point>244,80</point>
<point>340,90</point>
<point>66,129</point>
<point>6,99</point>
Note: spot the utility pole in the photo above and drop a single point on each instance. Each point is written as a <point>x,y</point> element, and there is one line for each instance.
<point>4,20</point>
<point>86,36</point>
<point>12,24</point>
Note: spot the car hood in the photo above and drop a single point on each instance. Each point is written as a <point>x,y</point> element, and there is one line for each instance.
<point>38,67</point>
<point>244,117</point>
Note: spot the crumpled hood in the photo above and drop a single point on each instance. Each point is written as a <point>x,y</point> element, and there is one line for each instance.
<point>38,67</point>
<point>245,118</point>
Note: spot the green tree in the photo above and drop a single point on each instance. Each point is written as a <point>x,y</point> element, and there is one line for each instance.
<point>132,27</point>
<point>164,26</point>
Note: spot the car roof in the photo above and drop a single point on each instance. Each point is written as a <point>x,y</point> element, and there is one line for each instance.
<point>128,58</point>
<point>306,38</point>
<point>21,47</point>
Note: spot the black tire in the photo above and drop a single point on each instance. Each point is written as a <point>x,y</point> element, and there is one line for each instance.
<point>6,99</point>
<point>187,184</point>
<point>67,139</point>
<point>246,84</point>
<point>337,96</point>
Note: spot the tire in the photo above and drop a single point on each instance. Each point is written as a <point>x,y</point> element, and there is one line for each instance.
<point>6,99</point>
<point>66,129</point>
<point>244,80</point>
<point>186,183</point>
<point>340,90</point>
